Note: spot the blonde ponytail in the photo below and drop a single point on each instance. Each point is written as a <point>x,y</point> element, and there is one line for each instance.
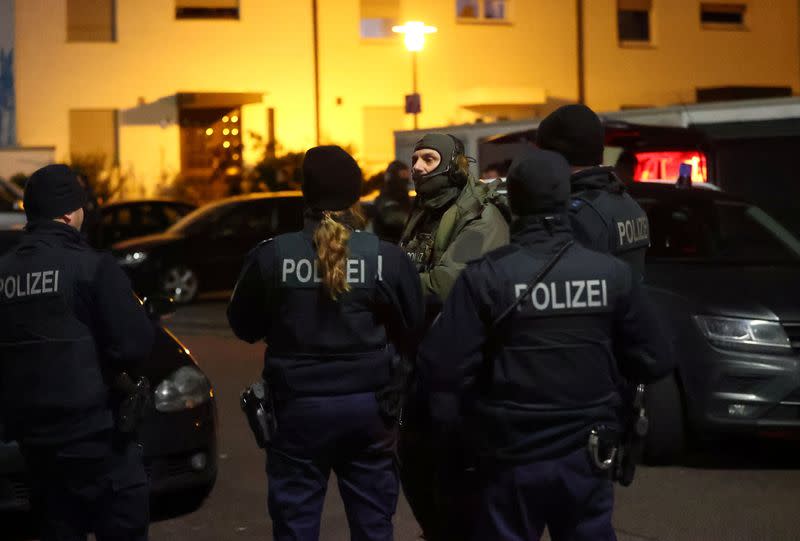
<point>330,239</point>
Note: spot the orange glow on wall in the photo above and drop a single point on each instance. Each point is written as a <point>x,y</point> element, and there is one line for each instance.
<point>663,166</point>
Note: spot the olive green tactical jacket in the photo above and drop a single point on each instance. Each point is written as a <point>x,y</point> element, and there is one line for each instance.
<point>471,227</point>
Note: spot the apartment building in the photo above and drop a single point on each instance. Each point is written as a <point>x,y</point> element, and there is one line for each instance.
<point>163,87</point>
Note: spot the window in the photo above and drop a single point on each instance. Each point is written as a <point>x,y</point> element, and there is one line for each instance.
<point>91,20</point>
<point>482,10</point>
<point>721,230</point>
<point>211,140</point>
<point>206,9</point>
<point>93,133</point>
<point>633,20</point>
<point>723,16</point>
<point>378,17</point>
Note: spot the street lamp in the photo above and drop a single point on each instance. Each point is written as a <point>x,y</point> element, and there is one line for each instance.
<point>414,38</point>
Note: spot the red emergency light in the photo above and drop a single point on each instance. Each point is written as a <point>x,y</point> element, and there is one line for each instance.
<point>663,166</point>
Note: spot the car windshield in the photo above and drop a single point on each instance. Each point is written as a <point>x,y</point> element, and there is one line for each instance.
<point>200,219</point>
<point>718,231</point>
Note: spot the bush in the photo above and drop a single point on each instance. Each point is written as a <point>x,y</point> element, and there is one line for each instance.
<point>103,183</point>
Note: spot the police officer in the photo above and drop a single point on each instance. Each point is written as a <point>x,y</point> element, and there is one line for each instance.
<point>534,365</point>
<point>393,204</point>
<point>453,221</point>
<point>333,304</point>
<point>69,323</point>
<point>604,217</point>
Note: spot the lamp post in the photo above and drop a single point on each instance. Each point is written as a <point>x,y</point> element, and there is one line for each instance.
<point>414,39</point>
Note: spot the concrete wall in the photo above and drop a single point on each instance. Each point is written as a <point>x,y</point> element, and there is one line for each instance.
<point>684,55</point>
<point>533,55</point>
<point>155,56</point>
<point>465,70</point>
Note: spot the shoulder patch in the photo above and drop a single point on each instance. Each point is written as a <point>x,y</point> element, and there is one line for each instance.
<point>576,204</point>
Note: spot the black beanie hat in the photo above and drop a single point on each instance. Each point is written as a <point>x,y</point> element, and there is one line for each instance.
<point>538,183</point>
<point>52,191</point>
<point>331,179</point>
<point>575,132</point>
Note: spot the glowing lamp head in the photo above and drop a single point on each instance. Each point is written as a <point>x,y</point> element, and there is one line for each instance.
<point>414,34</point>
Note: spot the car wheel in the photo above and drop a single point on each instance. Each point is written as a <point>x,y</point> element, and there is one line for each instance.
<point>180,283</point>
<point>666,437</point>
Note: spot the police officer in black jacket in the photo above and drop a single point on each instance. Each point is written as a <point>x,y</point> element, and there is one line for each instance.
<point>69,323</point>
<point>334,306</point>
<point>532,380</point>
<point>604,217</point>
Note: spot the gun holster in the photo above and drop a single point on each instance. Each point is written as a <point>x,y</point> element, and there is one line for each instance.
<point>615,453</point>
<point>392,397</point>
<point>257,404</point>
<point>134,400</point>
<point>632,448</point>
<point>603,447</point>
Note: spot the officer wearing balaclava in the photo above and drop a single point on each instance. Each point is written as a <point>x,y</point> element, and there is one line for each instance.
<point>453,221</point>
<point>393,204</point>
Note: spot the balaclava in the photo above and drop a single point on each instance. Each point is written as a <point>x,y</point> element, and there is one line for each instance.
<point>446,181</point>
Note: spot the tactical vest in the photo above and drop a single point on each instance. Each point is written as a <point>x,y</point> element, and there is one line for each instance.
<point>51,384</point>
<point>626,223</point>
<point>426,252</point>
<point>319,346</point>
<point>551,371</point>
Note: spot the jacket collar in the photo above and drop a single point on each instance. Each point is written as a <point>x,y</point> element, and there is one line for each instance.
<point>594,178</point>
<point>54,230</point>
<point>538,228</point>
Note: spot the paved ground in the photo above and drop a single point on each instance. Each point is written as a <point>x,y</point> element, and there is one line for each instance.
<point>731,492</point>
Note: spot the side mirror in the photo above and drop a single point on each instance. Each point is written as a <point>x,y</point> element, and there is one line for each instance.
<point>159,306</point>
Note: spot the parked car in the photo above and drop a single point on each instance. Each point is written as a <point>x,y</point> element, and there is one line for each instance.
<point>724,276</point>
<point>179,433</point>
<point>205,250</point>
<point>129,219</point>
<point>11,209</point>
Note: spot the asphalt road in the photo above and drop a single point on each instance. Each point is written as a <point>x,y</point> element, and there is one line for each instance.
<point>727,491</point>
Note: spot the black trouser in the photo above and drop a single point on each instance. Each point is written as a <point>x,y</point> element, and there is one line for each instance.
<point>436,483</point>
<point>93,485</point>
<point>344,434</point>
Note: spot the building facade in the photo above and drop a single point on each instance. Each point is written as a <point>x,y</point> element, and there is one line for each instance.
<point>204,87</point>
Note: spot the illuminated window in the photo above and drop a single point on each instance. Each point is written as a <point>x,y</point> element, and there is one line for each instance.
<point>664,166</point>
<point>206,9</point>
<point>378,17</point>
<point>723,16</point>
<point>482,10</point>
<point>91,20</point>
<point>633,20</point>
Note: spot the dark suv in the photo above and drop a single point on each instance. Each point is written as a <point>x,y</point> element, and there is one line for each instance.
<point>724,275</point>
<point>204,251</point>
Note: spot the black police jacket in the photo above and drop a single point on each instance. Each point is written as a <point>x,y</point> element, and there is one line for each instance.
<point>317,346</point>
<point>69,321</point>
<point>533,387</point>
<point>606,219</point>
